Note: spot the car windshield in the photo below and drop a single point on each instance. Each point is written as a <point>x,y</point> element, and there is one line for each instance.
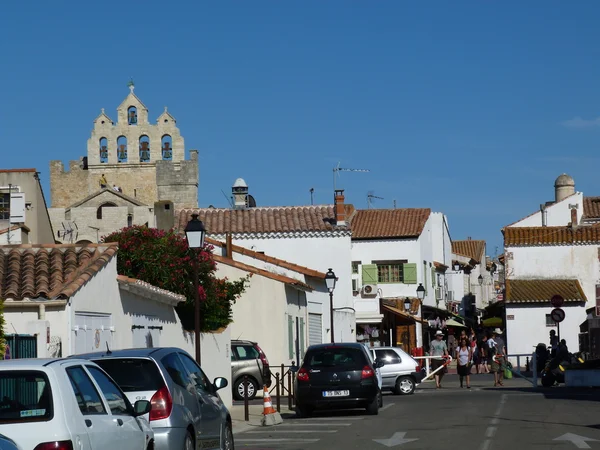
<point>25,396</point>
<point>350,358</point>
<point>133,374</point>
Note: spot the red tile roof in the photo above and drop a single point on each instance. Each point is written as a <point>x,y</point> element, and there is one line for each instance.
<point>269,259</point>
<point>473,249</point>
<point>591,207</point>
<point>287,219</point>
<point>388,223</point>
<point>533,236</point>
<point>440,266</point>
<point>49,271</point>
<point>149,289</point>
<point>542,290</point>
<point>262,272</point>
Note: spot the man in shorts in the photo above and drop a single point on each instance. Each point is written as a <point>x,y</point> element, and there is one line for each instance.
<point>498,354</point>
<point>439,349</point>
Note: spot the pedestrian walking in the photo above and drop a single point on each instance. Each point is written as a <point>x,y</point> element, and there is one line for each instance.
<point>498,354</point>
<point>464,356</point>
<point>476,352</point>
<point>485,354</point>
<point>438,349</point>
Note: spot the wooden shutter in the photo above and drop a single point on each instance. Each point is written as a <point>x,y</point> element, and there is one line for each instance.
<point>433,277</point>
<point>410,273</point>
<point>301,338</point>
<point>369,274</point>
<point>291,337</point>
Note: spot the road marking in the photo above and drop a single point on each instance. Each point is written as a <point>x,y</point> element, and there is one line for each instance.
<point>575,439</point>
<point>277,440</point>
<point>397,439</point>
<point>291,431</point>
<point>491,429</point>
<point>306,424</point>
<point>334,418</point>
<point>389,405</point>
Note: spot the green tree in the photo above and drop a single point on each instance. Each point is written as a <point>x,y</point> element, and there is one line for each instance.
<point>164,259</point>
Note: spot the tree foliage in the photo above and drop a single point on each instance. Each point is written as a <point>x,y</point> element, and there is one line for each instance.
<point>164,259</point>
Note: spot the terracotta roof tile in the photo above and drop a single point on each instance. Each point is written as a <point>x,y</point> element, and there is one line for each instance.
<point>269,259</point>
<point>287,219</point>
<point>470,248</point>
<point>533,236</point>
<point>542,290</point>
<point>49,271</point>
<point>388,223</point>
<point>263,272</point>
<point>591,207</point>
<point>440,266</point>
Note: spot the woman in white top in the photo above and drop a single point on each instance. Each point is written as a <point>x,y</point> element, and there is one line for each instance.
<point>464,355</point>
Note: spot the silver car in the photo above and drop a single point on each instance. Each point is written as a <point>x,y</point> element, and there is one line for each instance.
<point>187,412</point>
<point>401,373</point>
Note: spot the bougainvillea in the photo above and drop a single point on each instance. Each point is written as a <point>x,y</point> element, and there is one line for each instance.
<point>163,259</point>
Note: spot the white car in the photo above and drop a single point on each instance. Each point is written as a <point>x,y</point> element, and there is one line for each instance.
<point>68,404</point>
<point>401,373</point>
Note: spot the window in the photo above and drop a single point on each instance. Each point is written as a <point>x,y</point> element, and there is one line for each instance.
<point>134,374</point>
<point>176,370</point>
<point>354,285</point>
<point>144,148</point>
<point>117,402</point>
<point>246,352</point>
<point>198,377</point>
<point>132,115</point>
<point>99,210</point>
<point>549,321</point>
<point>340,358</point>
<point>86,394</point>
<point>389,356</point>
<point>103,150</point>
<point>390,271</point>
<point>122,149</point>
<point>26,397</point>
<point>4,206</point>
<point>167,147</point>
<point>355,265</point>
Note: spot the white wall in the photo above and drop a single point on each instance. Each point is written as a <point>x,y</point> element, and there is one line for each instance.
<point>528,328</point>
<point>13,237</point>
<point>558,214</point>
<point>215,351</point>
<point>318,253</point>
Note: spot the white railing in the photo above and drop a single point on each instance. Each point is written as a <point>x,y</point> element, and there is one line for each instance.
<point>448,360</point>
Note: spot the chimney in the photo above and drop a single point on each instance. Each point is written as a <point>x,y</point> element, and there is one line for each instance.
<point>339,207</point>
<point>544,214</point>
<point>573,217</point>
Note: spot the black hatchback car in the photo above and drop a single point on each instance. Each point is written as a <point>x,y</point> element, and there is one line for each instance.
<point>337,376</point>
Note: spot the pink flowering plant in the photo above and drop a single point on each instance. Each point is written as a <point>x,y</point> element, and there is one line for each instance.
<point>163,259</point>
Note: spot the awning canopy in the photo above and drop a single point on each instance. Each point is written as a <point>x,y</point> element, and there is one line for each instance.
<point>402,314</point>
<point>542,290</point>
<point>492,322</point>
<point>454,323</point>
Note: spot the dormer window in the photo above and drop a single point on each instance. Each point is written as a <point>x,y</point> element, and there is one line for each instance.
<point>132,115</point>
<point>103,150</point>
<point>122,149</point>
<point>144,148</point>
<point>167,149</point>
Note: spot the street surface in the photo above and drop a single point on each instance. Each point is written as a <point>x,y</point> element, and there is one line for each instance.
<point>483,418</point>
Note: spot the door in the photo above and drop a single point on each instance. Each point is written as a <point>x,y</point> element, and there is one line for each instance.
<point>406,337</point>
<point>209,401</point>
<point>128,430</point>
<point>315,329</point>
<point>92,332</point>
<point>392,366</point>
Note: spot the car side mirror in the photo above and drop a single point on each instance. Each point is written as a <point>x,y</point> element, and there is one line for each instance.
<point>379,364</point>
<point>141,407</point>
<point>220,383</point>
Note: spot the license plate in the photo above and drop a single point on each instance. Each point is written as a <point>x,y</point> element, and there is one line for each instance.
<point>336,393</point>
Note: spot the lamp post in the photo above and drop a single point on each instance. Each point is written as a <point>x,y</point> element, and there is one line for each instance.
<point>194,233</point>
<point>407,304</point>
<point>456,267</point>
<point>330,281</point>
<point>421,297</point>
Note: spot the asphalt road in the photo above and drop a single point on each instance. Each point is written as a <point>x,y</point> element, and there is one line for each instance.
<point>513,417</point>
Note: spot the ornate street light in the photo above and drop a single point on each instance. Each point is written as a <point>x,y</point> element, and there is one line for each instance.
<point>421,292</point>
<point>407,304</point>
<point>456,267</point>
<point>194,233</point>
<point>330,280</point>
<point>480,280</point>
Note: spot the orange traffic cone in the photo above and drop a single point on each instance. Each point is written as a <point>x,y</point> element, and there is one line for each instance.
<point>270,415</point>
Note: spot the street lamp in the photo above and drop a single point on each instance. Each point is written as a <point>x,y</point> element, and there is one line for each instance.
<point>421,292</point>
<point>407,304</point>
<point>480,280</point>
<point>456,267</point>
<point>330,281</point>
<point>194,233</point>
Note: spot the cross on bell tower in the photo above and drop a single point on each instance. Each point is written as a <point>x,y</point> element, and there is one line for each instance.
<point>131,85</point>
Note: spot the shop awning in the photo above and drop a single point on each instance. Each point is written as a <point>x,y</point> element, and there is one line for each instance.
<point>402,314</point>
<point>454,323</point>
<point>492,322</point>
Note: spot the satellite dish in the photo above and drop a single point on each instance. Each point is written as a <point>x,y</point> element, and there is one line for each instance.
<point>251,202</point>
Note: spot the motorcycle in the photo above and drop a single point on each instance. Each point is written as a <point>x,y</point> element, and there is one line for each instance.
<point>542,355</point>
<point>554,369</point>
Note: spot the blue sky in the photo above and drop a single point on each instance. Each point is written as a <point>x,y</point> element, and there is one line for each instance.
<point>470,108</point>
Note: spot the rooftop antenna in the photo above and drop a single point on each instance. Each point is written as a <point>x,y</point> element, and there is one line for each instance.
<point>394,203</point>
<point>229,200</point>
<point>312,191</point>
<point>371,199</point>
<point>338,169</point>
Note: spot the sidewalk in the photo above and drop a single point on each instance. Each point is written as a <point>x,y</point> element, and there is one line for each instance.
<point>255,416</point>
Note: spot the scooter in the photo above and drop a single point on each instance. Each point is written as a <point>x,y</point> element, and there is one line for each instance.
<point>554,370</point>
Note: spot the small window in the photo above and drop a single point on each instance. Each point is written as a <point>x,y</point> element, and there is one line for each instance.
<point>198,377</point>
<point>129,220</point>
<point>549,321</point>
<point>87,396</point>
<point>176,370</point>
<point>355,265</point>
<point>354,285</point>
<point>246,352</point>
<point>388,356</point>
<point>4,206</point>
<point>117,402</point>
<point>390,271</point>
<point>26,396</point>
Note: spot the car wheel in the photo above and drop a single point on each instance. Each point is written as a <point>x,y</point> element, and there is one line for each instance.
<point>188,444</point>
<point>227,438</point>
<point>238,388</point>
<point>303,411</point>
<point>405,386</point>
<point>373,407</point>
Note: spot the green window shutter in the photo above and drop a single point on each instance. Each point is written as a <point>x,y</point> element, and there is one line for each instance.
<point>410,273</point>
<point>369,274</point>
<point>433,278</point>
<point>425,285</point>
<point>301,338</point>
<point>291,336</point>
